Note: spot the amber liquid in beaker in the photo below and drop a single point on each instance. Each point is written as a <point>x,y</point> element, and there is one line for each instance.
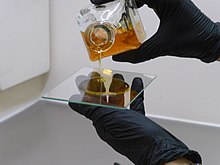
<point>124,40</point>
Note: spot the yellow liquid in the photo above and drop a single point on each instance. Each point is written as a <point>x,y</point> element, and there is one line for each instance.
<point>124,40</point>
<point>95,86</point>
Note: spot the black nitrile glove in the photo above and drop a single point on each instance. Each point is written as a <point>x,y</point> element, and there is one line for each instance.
<point>135,136</point>
<point>184,31</point>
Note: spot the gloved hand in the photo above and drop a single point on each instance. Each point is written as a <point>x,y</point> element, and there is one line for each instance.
<point>184,31</point>
<point>133,135</point>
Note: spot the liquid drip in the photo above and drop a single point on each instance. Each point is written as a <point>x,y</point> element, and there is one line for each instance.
<point>100,77</point>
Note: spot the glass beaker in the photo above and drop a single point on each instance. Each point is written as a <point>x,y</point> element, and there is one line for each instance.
<point>110,28</point>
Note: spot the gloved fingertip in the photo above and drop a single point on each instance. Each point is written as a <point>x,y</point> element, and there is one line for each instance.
<point>118,76</point>
<point>125,56</point>
<point>137,84</point>
<point>117,58</point>
<point>116,163</point>
<point>94,74</point>
<point>130,57</point>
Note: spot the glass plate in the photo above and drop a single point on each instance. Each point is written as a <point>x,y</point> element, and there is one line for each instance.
<point>102,87</point>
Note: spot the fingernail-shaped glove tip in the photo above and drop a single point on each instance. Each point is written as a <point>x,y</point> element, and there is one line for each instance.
<point>118,76</point>
<point>137,84</point>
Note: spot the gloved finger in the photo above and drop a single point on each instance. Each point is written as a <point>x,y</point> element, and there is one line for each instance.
<point>94,86</point>
<point>150,49</point>
<point>88,99</point>
<point>99,2</point>
<point>117,87</point>
<point>90,88</point>
<point>81,78</point>
<point>94,74</point>
<point>138,103</point>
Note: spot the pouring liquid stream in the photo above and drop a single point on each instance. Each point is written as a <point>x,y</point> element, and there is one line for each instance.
<point>100,71</point>
<point>103,84</point>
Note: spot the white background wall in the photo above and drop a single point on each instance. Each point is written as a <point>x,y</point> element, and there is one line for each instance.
<point>185,88</point>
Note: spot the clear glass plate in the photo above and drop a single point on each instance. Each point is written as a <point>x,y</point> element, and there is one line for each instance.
<point>102,87</point>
